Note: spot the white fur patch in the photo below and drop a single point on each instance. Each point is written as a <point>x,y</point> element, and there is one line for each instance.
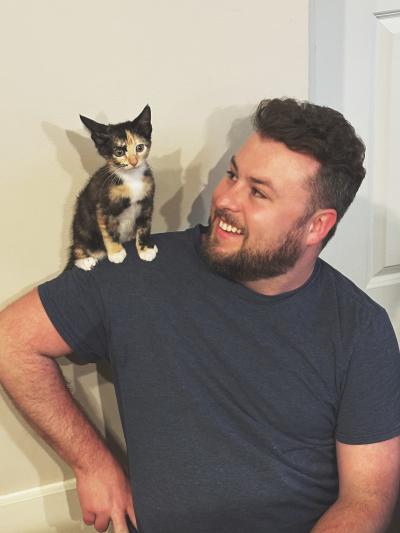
<point>127,221</point>
<point>148,254</point>
<point>133,178</point>
<point>87,263</point>
<point>118,257</point>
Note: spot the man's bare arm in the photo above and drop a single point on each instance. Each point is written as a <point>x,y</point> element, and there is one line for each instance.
<point>30,375</point>
<point>368,487</point>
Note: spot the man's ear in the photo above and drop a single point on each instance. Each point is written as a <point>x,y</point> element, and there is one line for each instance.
<point>321,223</point>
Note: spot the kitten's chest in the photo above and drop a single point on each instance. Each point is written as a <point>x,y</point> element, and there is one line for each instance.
<point>127,222</point>
<point>135,183</point>
<point>136,189</point>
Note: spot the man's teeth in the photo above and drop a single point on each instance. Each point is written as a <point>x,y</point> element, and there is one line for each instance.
<point>229,228</point>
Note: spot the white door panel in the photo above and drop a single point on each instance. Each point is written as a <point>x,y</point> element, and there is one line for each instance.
<point>386,6</point>
<point>355,68</point>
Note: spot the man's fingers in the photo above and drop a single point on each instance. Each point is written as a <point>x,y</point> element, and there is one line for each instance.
<point>119,524</point>
<point>89,518</point>
<point>131,513</point>
<point>102,522</point>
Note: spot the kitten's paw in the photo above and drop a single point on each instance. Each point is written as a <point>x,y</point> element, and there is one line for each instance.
<point>87,263</point>
<point>118,257</point>
<point>148,254</point>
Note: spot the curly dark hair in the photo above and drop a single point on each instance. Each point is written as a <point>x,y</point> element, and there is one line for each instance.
<point>324,134</point>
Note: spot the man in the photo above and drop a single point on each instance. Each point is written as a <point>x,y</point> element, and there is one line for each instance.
<point>259,389</point>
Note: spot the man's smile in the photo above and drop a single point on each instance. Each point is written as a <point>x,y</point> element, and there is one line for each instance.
<point>226,231</point>
<point>229,228</point>
<point>225,227</point>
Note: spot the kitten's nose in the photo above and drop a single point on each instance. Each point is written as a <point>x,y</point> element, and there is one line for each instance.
<point>133,161</point>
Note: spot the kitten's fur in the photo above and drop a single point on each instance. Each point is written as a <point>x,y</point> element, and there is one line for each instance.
<point>117,203</point>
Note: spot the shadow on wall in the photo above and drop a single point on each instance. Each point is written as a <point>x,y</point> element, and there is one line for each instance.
<point>67,153</point>
<point>240,129</point>
<point>183,195</point>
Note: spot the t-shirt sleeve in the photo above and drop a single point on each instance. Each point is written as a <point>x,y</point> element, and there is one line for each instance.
<point>369,410</point>
<point>74,304</point>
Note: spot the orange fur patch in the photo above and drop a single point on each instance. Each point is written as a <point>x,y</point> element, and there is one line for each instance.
<point>111,246</point>
<point>119,191</point>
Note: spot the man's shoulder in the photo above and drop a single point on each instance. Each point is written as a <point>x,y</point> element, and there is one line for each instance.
<point>351,312</point>
<point>347,294</point>
<point>172,246</point>
<point>178,237</point>
<point>176,250</point>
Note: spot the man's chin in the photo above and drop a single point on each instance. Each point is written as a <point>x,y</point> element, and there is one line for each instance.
<point>218,258</point>
<point>221,252</point>
<point>223,246</point>
<point>243,265</point>
<point>217,251</point>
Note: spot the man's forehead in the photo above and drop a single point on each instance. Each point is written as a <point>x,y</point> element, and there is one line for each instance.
<point>264,157</point>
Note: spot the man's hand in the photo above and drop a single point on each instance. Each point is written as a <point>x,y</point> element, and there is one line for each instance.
<point>105,494</point>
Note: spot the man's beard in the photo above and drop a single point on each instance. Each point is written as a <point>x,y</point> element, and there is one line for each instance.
<point>251,265</point>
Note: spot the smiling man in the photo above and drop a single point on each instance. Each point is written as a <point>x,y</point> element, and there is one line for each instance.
<point>259,389</point>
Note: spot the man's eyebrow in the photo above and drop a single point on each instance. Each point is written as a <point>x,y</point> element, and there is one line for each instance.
<point>264,181</point>
<point>233,162</point>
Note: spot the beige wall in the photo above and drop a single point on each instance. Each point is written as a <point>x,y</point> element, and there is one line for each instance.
<point>202,66</point>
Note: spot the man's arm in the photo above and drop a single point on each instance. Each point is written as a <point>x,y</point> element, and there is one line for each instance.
<point>28,372</point>
<point>369,477</point>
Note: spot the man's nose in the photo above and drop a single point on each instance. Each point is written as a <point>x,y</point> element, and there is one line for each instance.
<point>229,198</point>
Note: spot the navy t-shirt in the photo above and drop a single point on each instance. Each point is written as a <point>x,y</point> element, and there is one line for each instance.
<point>231,401</point>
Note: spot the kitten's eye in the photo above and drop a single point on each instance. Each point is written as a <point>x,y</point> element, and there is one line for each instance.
<point>119,151</point>
<point>140,148</point>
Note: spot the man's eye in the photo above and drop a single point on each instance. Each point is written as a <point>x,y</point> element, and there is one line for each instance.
<point>258,194</point>
<point>140,148</point>
<point>119,152</point>
<point>231,175</point>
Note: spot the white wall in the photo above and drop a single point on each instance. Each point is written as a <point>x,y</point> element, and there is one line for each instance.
<point>202,66</point>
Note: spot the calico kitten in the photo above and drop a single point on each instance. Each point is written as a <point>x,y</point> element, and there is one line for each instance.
<point>117,203</point>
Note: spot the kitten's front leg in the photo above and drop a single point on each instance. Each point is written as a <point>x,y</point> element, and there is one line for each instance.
<point>115,251</point>
<point>143,229</point>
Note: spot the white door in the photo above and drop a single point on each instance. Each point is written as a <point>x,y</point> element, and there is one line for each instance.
<point>355,68</point>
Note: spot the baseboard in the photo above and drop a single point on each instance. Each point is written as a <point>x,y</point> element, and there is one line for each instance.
<point>38,492</point>
<point>52,508</point>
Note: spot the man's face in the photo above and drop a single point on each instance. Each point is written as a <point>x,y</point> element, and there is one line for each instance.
<point>259,211</point>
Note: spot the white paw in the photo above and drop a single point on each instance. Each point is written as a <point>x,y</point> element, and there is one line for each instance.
<point>118,257</point>
<point>87,263</point>
<point>148,254</point>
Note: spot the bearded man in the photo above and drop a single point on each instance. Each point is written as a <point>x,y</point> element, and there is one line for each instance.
<point>259,388</point>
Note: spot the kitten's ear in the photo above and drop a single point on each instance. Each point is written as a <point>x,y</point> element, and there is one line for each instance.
<point>94,126</point>
<point>145,115</point>
<point>99,132</point>
<point>142,123</point>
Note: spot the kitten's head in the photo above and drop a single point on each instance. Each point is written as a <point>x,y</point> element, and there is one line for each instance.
<point>124,145</point>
